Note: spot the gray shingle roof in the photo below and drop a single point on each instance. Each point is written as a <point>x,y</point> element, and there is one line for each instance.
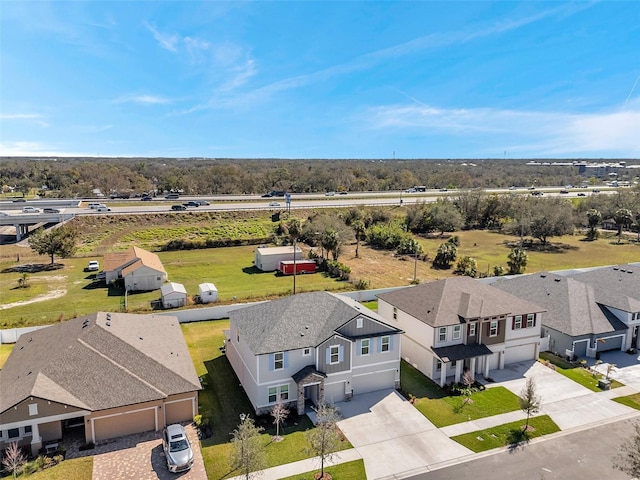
<point>617,286</point>
<point>297,321</point>
<point>98,362</point>
<point>453,353</point>
<point>571,305</point>
<point>446,302</point>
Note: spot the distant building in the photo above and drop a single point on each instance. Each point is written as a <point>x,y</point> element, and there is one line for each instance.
<point>268,258</point>
<point>139,269</point>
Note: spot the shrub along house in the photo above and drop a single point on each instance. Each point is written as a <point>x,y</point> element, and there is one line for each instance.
<point>108,374</point>
<point>317,347</point>
<point>587,312</point>
<point>459,323</point>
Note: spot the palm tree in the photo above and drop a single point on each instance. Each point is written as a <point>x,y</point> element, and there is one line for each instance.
<point>359,229</point>
<point>594,218</point>
<point>623,216</point>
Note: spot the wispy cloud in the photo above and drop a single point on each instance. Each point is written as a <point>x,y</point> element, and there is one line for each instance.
<point>36,117</point>
<point>36,149</point>
<point>143,99</point>
<point>526,132</point>
<point>166,41</point>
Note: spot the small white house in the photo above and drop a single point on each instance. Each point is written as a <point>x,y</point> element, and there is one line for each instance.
<point>173,295</point>
<point>208,292</point>
<point>268,258</point>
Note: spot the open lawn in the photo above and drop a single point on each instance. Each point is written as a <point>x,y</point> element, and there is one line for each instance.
<point>73,469</point>
<point>5,350</point>
<point>222,401</point>
<point>632,401</point>
<point>443,410</point>
<point>507,434</point>
<point>576,373</point>
<point>69,291</point>
<point>344,471</point>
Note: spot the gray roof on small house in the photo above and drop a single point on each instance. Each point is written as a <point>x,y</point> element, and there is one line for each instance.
<point>449,301</point>
<point>298,321</point>
<point>100,361</point>
<point>617,286</point>
<point>572,306</point>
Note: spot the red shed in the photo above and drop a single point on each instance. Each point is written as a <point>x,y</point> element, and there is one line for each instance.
<point>302,266</point>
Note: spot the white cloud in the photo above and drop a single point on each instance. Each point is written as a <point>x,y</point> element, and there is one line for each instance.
<point>143,99</point>
<point>168,42</point>
<point>528,132</point>
<point>25,116</point>
<point>35,149</point>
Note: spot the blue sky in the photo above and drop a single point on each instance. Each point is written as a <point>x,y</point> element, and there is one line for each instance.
<point>320,79</point>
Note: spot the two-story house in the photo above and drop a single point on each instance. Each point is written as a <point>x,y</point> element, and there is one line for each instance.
<point>312,347</point>
<point>587,312</point>
<point>459,323</point>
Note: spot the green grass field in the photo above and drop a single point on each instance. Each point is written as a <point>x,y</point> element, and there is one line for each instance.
<point>632,401</point>
<point>576,373</point>
<point>344,471</point>
<point>73,469</point>
<point>507,434</point>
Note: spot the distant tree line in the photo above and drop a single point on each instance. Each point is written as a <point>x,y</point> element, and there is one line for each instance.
<point>78,177</point>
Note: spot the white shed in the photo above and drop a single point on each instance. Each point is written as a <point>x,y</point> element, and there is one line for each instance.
<point>268,258</point>
<point>173,295</point>
<point>208,292</point>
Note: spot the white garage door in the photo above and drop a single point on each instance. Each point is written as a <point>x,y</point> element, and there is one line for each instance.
<point>609,344</point>
<point>373,382</point>
<point>520,353</point>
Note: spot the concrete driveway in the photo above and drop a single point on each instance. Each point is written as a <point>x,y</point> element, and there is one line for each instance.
<point>140,457</point>
<point>626,370</point>
<point>392,436</point>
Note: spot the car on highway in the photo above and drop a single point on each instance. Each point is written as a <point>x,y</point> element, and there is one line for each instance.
<point>410,190</point>
<point>93,266</point>
<point>596,190</point>
<point>274,204</point>
<point>103,208</point>
<point>177,449</point>
<point>564,191</point>
<point>146,199</point>
<point>582,194</point>
<point>191,203</point>
<point>537,193</point>
<point>93,205</point>
<point>50,210</point>
<point>30,210</point>
<point>172,196</point>
<point>4,214</point>
<point>178,207</point>
<point>513,187</point>
<point>19,200</point>
<point>342,192</point>
<point>202,202</point>
<point>330,194</point>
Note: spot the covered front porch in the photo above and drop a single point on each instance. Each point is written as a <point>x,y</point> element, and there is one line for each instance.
<point>309,386</point>
<point>458,359</point>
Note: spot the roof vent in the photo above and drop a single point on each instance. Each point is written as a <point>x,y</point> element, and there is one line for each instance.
<point>543,275</point>
<point>622,270</point>
<point>306,327</point>
<point>615,268</point>
<point>108,324</point>
<point>141,338</point>
<point>302,334</point>
<point>557,279</point>
<point>108,316</point>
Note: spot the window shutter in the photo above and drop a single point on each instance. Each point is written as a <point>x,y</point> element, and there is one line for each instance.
<point>488,329</point>
<point>328,356</point>
<point>286,359</point>
<point>340,353</point>
<point>272,361</point>
<point>379,342</point>
<point>391,342</point>
<point>358,347</point>
<point>513,323</point>
<point>534,319</point>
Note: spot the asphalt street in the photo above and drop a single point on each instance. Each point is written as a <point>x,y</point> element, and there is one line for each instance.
<point>582,455</point>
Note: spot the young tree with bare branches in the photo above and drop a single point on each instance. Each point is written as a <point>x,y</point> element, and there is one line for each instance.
<point>279,413</point>
<point>324,439</point>
<point>529,400</point>
<point>13,459</point>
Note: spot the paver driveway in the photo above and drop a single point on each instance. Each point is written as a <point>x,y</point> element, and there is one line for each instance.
<point>392,436</point>
<point>140,457</point>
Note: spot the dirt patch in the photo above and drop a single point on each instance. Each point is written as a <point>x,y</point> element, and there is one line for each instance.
<point>34,268</point>
<point>60,292</point>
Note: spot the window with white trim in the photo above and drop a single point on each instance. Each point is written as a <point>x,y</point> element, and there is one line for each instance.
<point>334,354</point>
<point>14,432</point>
<point>438,365</point>
<point>284,392</point>
<point>442,334</point>
<point>279,392</point>
<point>33,409</point>
<point>385,344</point>
<point>530,320</point>
<point>365,344</point>
<point>472,329</point>
<point>457,332</point>
<point>517,322</point>
<point>493,328</point>
<point>306,352</point>
<point>359,322</point>
<point>273,394</point>
<point>278,361</point>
